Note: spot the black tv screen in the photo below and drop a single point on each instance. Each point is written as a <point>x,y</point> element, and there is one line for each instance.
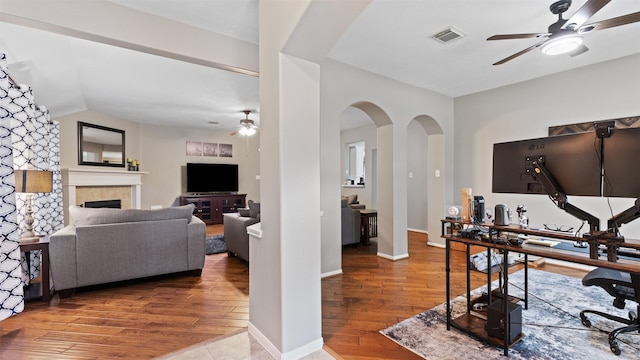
<point>573,160</point>
<point>212,178</point>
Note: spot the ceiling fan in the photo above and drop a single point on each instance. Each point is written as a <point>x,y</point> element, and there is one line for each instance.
<point>565,35</point>
<point>247,126</point>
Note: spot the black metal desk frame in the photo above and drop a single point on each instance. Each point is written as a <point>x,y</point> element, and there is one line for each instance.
<point>579,258</point>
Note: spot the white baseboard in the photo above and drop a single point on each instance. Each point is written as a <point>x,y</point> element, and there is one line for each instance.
<point>297,353</point>
<point>259,336</point>
<point>438,245</point>
<point>394,258</point>
<point>331,273</point>
<point>418,231</point>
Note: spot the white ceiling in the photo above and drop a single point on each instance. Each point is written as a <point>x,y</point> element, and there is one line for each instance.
<point>391,38</point>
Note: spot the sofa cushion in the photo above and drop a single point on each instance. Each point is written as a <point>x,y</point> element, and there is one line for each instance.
<point>254,209</point>
<point>244,212</point>
<point>92,216</point>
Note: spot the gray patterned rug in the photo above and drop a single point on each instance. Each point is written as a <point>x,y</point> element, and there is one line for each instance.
<point>551,325</point>
<point>215,244</point>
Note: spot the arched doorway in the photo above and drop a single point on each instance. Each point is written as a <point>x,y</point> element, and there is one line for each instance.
<point>425,164</point>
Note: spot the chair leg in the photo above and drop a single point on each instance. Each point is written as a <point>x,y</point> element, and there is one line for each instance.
<point>613,343</point>
<point>587,323</point>
<point>633,324</point>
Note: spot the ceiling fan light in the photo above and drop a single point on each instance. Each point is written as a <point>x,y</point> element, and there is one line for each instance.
<point>243,130</point>
<point>250,131</point>
<point>561,45</point>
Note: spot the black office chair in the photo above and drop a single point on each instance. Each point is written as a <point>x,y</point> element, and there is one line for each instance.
<point>622,286</point>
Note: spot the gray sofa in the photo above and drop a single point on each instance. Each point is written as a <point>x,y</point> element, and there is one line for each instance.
<point>235,229</point>
<point>108,245</point>
<point>350,216</point>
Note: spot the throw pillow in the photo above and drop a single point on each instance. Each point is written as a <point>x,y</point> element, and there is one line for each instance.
<point>91,216</point>
<point>353,199</point>
<point>254,209</point>
<point>244,212</point>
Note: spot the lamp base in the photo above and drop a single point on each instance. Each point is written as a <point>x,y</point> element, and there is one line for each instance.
<point>28,239</point>
<point>28,236</point>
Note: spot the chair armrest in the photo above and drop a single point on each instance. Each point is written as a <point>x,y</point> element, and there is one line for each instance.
<point>196,243</point>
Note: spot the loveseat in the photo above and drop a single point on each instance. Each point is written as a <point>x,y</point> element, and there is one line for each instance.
<point>108,245</point>
<point>235,229</point>
<point>350,216</point>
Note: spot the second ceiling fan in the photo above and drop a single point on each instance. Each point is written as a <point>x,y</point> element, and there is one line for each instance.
<point>565,35</point>
<point>247,126</point>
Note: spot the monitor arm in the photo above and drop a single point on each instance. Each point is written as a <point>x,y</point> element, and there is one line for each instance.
<point>551,186</point>
<point>624,217</point>
<point>539,172</point>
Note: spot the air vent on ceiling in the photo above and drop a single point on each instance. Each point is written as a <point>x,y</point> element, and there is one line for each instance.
<point>448,35</point>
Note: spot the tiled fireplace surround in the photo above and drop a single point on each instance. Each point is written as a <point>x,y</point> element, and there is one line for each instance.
<point>80,185</point>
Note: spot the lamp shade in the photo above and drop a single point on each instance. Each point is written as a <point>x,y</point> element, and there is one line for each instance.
<point>34,181</point>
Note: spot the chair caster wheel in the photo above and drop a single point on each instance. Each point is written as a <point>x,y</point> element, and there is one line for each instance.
<point>613,345</point>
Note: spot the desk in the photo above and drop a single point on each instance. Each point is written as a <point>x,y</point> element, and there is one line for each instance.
<point>473,325</point>
<point>43,245</point>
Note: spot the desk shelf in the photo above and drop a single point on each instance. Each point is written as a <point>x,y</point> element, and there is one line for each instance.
<point>475,326</point>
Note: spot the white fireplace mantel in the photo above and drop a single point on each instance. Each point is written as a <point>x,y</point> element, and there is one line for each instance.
<point>72,178</point>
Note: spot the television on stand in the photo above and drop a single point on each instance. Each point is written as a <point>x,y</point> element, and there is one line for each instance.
<point>207,178</point>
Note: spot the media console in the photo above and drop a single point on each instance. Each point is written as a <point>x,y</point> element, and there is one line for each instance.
<point>210,207</point>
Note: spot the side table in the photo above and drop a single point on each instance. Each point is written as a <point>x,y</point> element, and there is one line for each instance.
<point>43,245</point>
<point>369,225</point>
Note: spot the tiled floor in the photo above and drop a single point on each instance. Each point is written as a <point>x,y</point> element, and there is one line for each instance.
<point>240,346</point>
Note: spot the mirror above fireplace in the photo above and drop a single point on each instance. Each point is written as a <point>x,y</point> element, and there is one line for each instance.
<point>100,145</point>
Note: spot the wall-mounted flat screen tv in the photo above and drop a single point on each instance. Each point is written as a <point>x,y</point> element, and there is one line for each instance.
<point>212,178</point>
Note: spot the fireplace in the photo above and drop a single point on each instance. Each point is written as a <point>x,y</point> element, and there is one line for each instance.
<point>82,185</point>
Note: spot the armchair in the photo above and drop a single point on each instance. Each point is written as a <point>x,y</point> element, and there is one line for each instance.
<point>622,286</point>
<point>350,217</point>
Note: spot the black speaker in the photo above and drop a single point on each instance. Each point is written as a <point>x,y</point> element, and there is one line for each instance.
<point>478,209</point>
<point>495,320</point>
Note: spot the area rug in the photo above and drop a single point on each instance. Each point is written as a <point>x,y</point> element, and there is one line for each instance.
<point>551,325</point>
<point>215,244</point>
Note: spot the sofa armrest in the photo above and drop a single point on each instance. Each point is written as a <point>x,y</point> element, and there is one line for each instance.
<point>358,206</point>
<point>196,239</point>
<point>62,258</point>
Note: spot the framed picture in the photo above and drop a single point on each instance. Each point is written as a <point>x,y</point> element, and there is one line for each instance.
<point>210,149</point>
<point>226,150</point>
<point>194,148</point>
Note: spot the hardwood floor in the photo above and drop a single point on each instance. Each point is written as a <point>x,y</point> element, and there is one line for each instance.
<point>148,318</point>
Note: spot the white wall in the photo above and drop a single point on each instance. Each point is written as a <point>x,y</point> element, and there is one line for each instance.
<point>606,90</point>
<point>368,134</point>
<point>417,180</point>
<point>162,152</point>
<point>341,87</point>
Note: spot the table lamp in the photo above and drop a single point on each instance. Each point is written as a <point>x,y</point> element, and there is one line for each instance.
<point>32,181</point>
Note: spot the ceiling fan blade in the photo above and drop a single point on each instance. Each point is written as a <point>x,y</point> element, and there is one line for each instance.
<point>579,50</point>
<point>518,36</point>
<point>609,23</point>
<point>585,12</point>
<point>508,58</point>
